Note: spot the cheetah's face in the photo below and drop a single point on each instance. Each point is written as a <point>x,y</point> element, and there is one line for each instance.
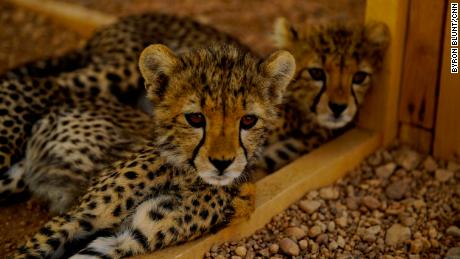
<point>212,107</point>
<point>335,65</point>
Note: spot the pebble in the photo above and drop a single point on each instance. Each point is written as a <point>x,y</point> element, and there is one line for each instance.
<point>295,233</point>
<point>303,244</point>
<point>407,158</point>
<point>322,239</point>
<point>453,166</point>
<point>331,226</point>
<point>241,251</point>
<point>341,222</point>
<point>289,247</point>
<point>396,190</point>
<point>314,231</point>
<point>416,246</point>
<point>385,171</point>
<point>454,252</point>
<point>264,252</point>
<point>371,202</point>
<point>236,257</point>
<point>274,248</point>
<point>453,231</point>
<point>430,164</point>
<point>443,175</point>
<point>309,206</point>
<point>329,193</point>
<point>333,245</point>
<point>352,203</point>
<point>397,234</point>
<point>220,257</point>
<point>341,241</point>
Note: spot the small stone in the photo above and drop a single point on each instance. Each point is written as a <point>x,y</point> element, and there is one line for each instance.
<point>333,245</point>
<point>370,234</point>
<point>322,239</point>
<point>414,256</point>
<point>416,246</point>
<point>407,158</point>
<point>264,252</point>
<point>303,244</point>
<point>352,203</point>
<point>453,231</point>
<point>295,233</point>
<point>329,193</point>
<point>236,257</point>
<point>314,231</point>
<point>241,251</point>
<point>432,232</point>
<point>219,257</point>
<point>386,170</point>
<point>430,164</point>
<point>454,251</point>
<point>371,202</point>
<point>331,226</point>
<point>397,234</point>
<point>289,247</point>
<point>443,175</point>
<point>341,241</point>
<point>309,206</point>
<point>341,222</point>
<point>274,248</point>
<point>408,221</point>
<point>396,190</point>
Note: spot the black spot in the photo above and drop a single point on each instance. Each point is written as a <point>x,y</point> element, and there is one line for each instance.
<point>281,154</point>
<point>160,236</point>
<point>85,225</point>
<point>193,228</point>
<point>155,215</point>
<point>54,243</point>
<point>214,219</point>
<point>167,205</point>
<point>113,77</point>
<point>119,189</point>
<point>204,214</point>
<point>46,231</point>
<point>270,163</point>
<point>107,199</point>
<point>151,175</point>
<point>188,218</point>
<point>92,205</point>
<point>131,175</point>
<point>141,238</point>
<point>116,212</point>
<point>196,203</point>
<point>207,197</point>
<point>129,203</point>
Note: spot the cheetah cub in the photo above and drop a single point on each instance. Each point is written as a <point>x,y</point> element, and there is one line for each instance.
<point>212,110</point>
<point>335,65</point>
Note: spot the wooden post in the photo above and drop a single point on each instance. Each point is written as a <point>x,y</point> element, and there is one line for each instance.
<point>380,109</point>
<point>421,73</point>
<point>447,131</point>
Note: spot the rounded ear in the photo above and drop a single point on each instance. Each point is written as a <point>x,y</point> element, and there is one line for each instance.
<point>378,35</point>
<point>157,63</point>
<point>279,67</point>
<point>284,34</point>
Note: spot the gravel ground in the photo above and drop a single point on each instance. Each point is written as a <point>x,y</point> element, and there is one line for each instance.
<point>397,204</point>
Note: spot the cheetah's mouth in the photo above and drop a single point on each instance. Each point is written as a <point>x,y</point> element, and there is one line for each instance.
<point>213,178</point>
<point>331,122</point>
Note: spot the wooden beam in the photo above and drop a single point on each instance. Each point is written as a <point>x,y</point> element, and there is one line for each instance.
<point>422,63</point>
<point>418,138</point>
<point>447,133</point>
<point>380,110</point>
<point>78,18</point>
<point>278,191</point>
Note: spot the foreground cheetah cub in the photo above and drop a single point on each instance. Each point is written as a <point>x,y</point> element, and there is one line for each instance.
<point>212,110</point>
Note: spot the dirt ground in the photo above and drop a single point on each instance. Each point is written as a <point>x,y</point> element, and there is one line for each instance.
<point>26,36</point>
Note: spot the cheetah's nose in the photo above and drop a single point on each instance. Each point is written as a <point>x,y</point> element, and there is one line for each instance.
<point>221,164</point>
<point>337,108</point>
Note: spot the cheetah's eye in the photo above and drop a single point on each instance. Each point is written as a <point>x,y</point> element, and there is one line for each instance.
<point>317,74</point>
<point>248,121</point>
<point>196,119</point>
<point>359,77</point>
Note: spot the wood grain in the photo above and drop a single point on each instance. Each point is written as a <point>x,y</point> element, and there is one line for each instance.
<point>422,63</point>
<point>418,138</point>
<point>380,110</point>
<point>447,130</point>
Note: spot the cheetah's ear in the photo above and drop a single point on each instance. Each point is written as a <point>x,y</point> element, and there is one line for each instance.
<point>284,34</point>
<point>157,63</point>
<point>279,67</point>
<point>378,35</point>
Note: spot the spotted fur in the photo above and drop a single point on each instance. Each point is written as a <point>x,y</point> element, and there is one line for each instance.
<point>212,110</point>
<point>105,67</point>
<point>335,65</point>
